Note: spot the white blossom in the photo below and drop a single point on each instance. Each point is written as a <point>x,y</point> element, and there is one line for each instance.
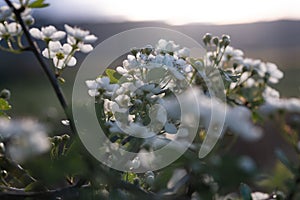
<point>26,138</point>
<point>48,33</point>
<point>80,34</point>
<point>26,14</point>
<point>84,48</point>
<point>9,29</point>
<point>166,46</point>
<point>184,52</point>
<point>259,196</point>
<point>274,73</point>
<point>61,55</point>
<point>245,128</point>
<point>273,105</point>
<point>233,54</point>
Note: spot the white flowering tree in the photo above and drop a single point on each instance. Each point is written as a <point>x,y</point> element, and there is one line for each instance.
<point>139,105</point>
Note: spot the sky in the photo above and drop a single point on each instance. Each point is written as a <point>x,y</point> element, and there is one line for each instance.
<point>175,12</point>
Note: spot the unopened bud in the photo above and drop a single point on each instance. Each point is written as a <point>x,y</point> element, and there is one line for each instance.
<point>2,148</point>
<point>149,180</point>
<point>134,51</point>
<point>207,38</point>
<point>4,173</point>
<point>65,137</point>
<point>5,94</point>
<point>215,40</point>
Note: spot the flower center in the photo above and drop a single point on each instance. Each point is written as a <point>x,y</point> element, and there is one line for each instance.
<point>60,56</point>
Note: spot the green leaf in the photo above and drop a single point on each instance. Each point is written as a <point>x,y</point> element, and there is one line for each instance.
<point>129,177</point>
<point>4,105</point>
<point>38,4</point>
<point>245,192</point>
<point>278,178</point>
<point>284,160</point>
<point>113,75</point>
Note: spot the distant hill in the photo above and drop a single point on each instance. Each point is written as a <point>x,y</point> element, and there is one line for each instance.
<point>276,41</point>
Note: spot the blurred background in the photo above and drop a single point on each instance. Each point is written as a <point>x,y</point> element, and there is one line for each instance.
<point>268,30</point>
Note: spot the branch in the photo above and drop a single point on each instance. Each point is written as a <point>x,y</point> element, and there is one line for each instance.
<point>36,51</point>
<point>71,192</point>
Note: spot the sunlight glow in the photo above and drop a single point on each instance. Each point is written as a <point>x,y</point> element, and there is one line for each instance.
<point>177,12</point>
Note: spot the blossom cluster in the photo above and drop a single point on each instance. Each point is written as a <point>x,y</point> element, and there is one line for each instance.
<point>9,27</point>
<point>140,97</point>
<point>23,139</point>
<point>61,54</point>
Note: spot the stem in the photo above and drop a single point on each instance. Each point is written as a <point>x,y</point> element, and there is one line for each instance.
<point>37,53</point>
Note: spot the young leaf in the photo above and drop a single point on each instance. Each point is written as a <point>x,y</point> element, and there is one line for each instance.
<point>38,4</point>
<point>285,161</point>
<point>113,75</point>
<point>4,105</point>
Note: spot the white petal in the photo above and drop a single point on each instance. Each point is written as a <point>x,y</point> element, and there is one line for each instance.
<point>45,53</point>
<point>58,35</point>
<point>54,46</point>
<point>121,70</point>
<point>13,28</point>
<point>48,31</point>
<point>67,48</point>
<point>71,40</point>
<point>69,29</point>
<point>58,63</point>
<point>92,84</point>
<point>90,38</point>
<point>93,93</point>
<point>36,33</point>
<point>85,48</point>
<point>72,62</point>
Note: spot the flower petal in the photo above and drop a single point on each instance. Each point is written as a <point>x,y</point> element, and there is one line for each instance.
<point>58,63</point>
<point>71,40</point>
<point>54,46</point>
<point>72,62</point>
<point>85,48</point>
<point>90,38</point>
<point>67,48</point>
<point>36,33</point>
<point>58,35</point>
<point>69,29</point>
<point>48,31</point>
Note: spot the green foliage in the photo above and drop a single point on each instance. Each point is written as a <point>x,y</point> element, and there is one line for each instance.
<point>113,75</point>
<point>38,4</point>
<point>4,106</point>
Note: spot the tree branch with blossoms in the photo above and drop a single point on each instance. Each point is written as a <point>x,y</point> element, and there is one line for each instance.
<point>138,105</point>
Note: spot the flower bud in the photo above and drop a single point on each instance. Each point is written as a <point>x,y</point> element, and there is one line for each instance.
<point>5,94</point>
<point>134,51</point>
<point>4,173</point>
<point>136,181</point>
<point>207,38</point>
<point>56,139</point>
<point>148,49</point>
<point>149,173</point>
<point>215,40</point>
<point>2,148</point>
<point>65,137</point>
<point>149,180</point>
